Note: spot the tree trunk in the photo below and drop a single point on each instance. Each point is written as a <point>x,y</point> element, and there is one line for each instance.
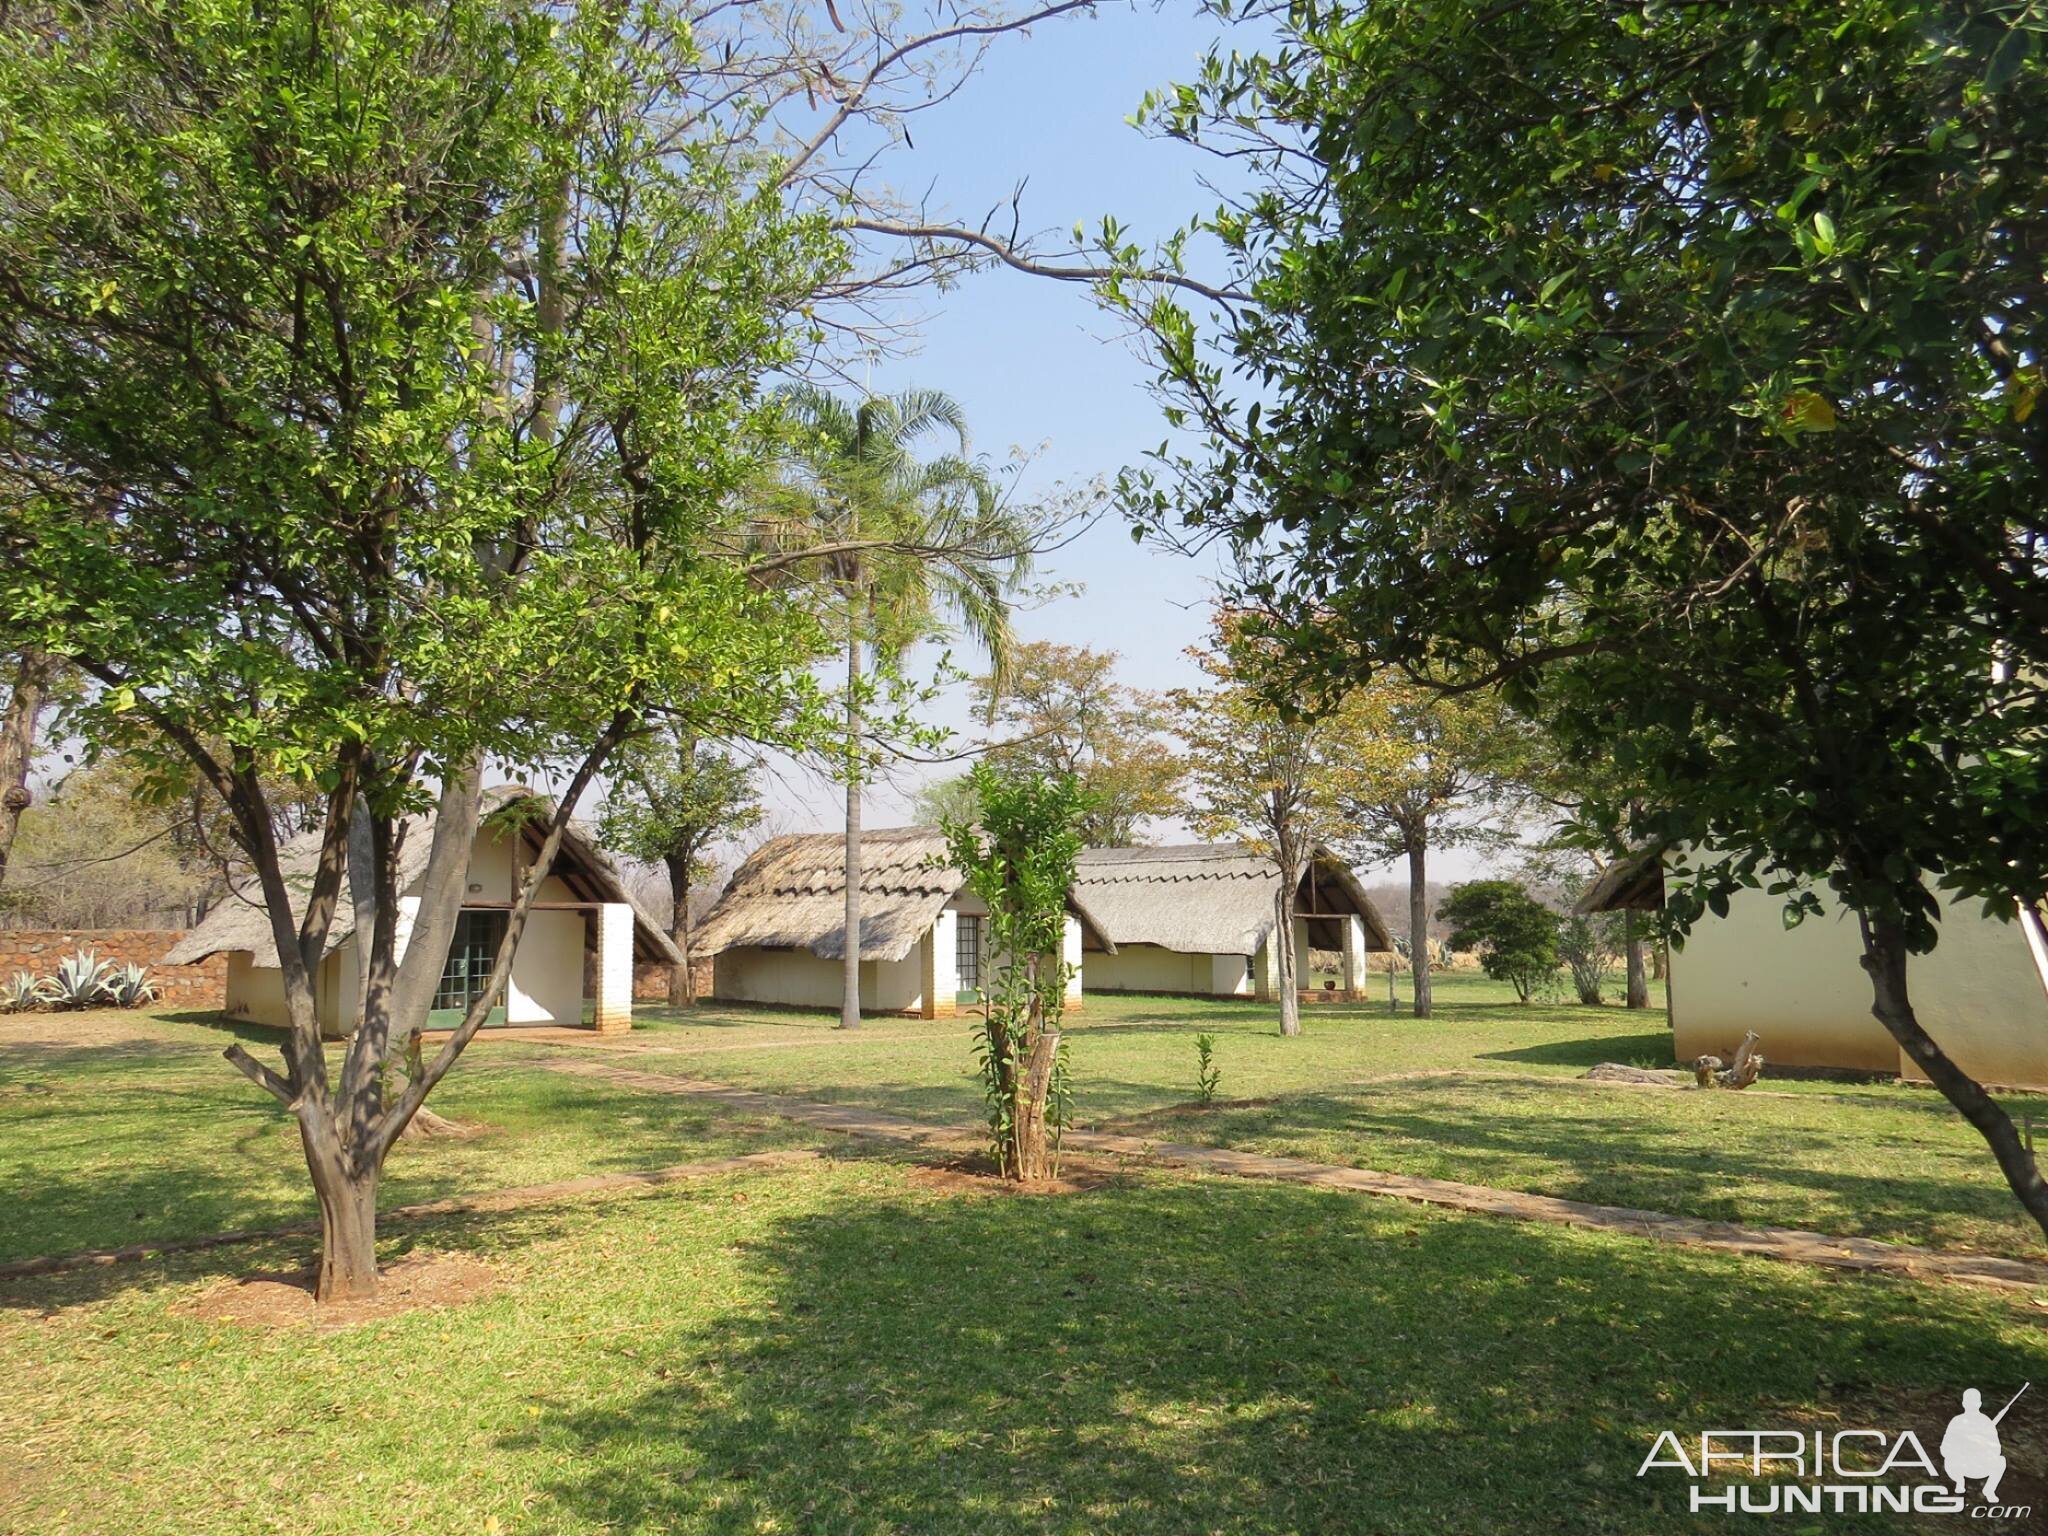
<point>1418,923</point>
<point>1659,962</point>
<point>1632,944</point>
<point>849,986</point>
<point>348,1216</point>
<point>1284,956</point>
<point>1884,959</point>
<point>1033,1157</point>
<point>682,991</point>
<point>18,745</point>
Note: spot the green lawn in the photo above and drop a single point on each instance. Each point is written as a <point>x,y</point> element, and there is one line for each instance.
<point>851,1346</point>
<point>156,1137</point>
<point>834,1348</point>
<point>1486,1092</point>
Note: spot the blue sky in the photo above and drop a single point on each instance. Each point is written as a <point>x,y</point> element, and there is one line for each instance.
<point>1036,364</point>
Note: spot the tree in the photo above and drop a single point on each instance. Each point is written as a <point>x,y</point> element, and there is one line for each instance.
<point>27,696</point>
<point>672,797</point>
<point>1062,711</point>
<point>945,800</point>
<point>1514,933</point>
<point>904,541</point>
<point>1409,771</point>
<point>384,376</point>
<point>1254,773</point>
<point>1681,378</point>
<point>1018,855</point>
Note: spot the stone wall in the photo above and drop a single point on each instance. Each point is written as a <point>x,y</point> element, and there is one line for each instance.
<point>37,951</point>
<point>650,979</point>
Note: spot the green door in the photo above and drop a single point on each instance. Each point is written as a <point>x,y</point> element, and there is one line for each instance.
<point>468,971</point>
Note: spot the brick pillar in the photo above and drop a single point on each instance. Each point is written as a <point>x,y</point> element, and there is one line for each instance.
<point>1354,957</point>
<point>614,967</point>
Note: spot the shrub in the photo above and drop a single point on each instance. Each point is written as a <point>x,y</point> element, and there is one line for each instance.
<point>22,993</point>
<point>1514,933</point>
<point>1207,1073</point>
<point>80,982</point>
<point>129,986</point>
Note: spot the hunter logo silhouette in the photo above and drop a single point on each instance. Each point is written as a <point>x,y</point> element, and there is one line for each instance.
<point>1970,1448</point>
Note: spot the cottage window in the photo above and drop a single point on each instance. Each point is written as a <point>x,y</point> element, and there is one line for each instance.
<point>968,953</point>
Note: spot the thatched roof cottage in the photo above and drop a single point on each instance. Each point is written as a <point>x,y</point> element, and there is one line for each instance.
<point>1196,919</point>
<point>778,934</point>
<point>1982,992</point>
<point>583,908</point>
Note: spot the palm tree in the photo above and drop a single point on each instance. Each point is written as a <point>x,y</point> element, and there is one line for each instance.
<point>907,543</point>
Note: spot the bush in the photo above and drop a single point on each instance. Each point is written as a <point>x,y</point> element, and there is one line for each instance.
<point>1514,933</point>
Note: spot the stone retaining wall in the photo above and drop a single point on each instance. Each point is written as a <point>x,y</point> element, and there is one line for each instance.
<point>37,951</point>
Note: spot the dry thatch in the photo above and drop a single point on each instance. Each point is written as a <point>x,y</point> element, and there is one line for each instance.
<point>241,922</point>
<point>791,894</point>
<point>1632,883</point>
<point>1212,898</point>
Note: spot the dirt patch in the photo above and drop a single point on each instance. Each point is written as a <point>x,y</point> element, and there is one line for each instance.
<point>978,1176</point>
<point>285,1299</point>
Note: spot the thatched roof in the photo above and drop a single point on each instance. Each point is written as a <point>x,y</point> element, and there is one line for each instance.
<point>1211,898</point>
<point>791,894</point>
<point>241,922</point>
<point>1632,883</point>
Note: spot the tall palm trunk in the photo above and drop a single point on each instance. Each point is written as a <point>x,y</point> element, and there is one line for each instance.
<point>1418,922</point>
<point>849,988</point>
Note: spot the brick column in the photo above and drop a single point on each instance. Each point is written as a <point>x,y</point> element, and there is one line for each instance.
<point>614,967</point>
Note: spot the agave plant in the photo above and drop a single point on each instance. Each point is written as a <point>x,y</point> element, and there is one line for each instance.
<point>22,992</point>
<point>129,987</point>
<point>80,982</point>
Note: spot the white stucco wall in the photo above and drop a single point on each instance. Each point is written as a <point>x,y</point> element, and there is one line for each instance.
<point>796,978</point>
<point>1149,968</point>
<point>256,992</point>
<point>1804,992</point>
<point>546,986</point>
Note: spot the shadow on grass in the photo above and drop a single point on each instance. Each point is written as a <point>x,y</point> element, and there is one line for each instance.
<point>1791,1164</point>
<point>1182,1356</point>
<point>1652,1048</point>
<point>112,1166</point>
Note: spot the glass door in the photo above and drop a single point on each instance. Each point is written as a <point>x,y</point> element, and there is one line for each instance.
<point>478,933</point>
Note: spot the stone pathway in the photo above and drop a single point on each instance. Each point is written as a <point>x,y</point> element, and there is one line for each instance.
<point>1862,1254</point>
<point>490,1200</point>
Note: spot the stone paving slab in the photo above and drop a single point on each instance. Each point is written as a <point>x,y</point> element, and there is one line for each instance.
<point>1859,1254</point>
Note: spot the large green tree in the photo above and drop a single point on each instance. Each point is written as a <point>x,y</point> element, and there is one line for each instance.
<point>1060,710</point>
<point>1676,367</point>
<point>673,796</point>
<point>1409,770</point>
<point>1256,772</point>
<point>907,541</point>
<point>384,376</point>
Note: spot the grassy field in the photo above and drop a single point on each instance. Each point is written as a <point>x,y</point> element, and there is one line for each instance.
<point>1486,1092</point>
<point>858,1345</point>
<point>840,1348</point>
<point>134,1130</point>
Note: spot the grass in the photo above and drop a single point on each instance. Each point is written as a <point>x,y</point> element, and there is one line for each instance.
<point>835,1348</point>
<point>848,1346</point>
<point>152,1136</point>
<point>1486,1092</point>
